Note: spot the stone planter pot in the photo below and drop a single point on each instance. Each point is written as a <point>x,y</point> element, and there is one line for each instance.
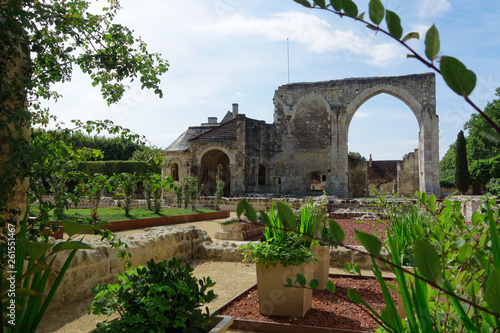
<point>277,300</point>
<point>321,269</point>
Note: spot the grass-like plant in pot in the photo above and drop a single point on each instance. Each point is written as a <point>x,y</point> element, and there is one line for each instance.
<point>279,258</point>
<point>162,297</point>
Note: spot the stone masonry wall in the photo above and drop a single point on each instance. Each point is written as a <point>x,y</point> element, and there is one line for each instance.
<point>101,265</point>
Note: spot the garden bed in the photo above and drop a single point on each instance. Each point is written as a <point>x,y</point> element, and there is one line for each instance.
<point>329,312</point>
<point>154,222</point>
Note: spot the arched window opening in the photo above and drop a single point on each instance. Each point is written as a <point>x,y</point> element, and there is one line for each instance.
<point>262,174</point>
<point>174,171</point>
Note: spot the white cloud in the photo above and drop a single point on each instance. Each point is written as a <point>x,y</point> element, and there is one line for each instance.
<point>433,8</point>
<point>361,115</point>
<point>313,32</point>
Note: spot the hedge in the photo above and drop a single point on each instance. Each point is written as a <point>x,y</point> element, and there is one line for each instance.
<point>108,168</point>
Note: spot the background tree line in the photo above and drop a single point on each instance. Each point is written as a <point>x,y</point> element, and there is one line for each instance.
<point>483,154</point>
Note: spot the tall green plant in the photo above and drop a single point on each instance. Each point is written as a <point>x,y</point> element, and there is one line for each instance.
<point>127,184</point>
<point>219,192</point>
<point>310,222</point>
<point>31,276</point>
<point>456,284</point>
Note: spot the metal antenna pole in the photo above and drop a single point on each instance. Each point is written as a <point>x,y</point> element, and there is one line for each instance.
<point>288,59</point>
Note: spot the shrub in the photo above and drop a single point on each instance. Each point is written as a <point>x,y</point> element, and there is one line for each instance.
<point>162,297</point>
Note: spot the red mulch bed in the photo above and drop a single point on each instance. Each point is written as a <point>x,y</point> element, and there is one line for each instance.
<point>348,225</point>
<point>328,310</point>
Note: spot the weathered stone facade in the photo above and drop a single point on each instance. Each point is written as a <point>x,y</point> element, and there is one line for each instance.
<point>305,150</point>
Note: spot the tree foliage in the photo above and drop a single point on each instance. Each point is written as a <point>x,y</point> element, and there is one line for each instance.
<point>40,44</point>
<point>462,177</point>
<point>112,148</point>
<point>479,143</point>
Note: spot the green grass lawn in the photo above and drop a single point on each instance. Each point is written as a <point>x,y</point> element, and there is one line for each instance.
<point>118,214</point>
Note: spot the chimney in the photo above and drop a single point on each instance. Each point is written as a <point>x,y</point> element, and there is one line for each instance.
<point>212,120</point>
<point>370,161</point>
<point>235,110</point>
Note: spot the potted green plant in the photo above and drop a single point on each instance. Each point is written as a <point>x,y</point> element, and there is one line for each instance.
<point>279,258</point>
<point>312,217</point>
<point>162,297</point>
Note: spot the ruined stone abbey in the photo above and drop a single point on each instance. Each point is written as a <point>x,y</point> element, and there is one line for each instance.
<point>305,150</point>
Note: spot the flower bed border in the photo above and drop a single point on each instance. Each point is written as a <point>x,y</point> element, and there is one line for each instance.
<point>268,327</point>
<point>154,222</point>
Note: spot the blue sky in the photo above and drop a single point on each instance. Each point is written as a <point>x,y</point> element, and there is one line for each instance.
<point>235,51</point>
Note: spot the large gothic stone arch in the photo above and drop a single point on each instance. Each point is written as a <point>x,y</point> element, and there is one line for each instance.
<point>418,93</point>
<point>344,97</point>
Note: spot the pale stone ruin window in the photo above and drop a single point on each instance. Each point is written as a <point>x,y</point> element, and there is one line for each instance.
<point>174,170</point>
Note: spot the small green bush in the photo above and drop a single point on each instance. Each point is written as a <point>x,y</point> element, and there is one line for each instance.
<point>162,297</point>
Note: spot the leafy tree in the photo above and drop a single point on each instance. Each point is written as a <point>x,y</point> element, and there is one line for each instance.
<point>41,42</point>
<point>112,149</point>
<point>479,143</point>
<point>462,177</point>
<point>447,163</point>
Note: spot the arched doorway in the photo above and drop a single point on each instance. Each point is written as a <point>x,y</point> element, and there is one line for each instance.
<point>215,167</point>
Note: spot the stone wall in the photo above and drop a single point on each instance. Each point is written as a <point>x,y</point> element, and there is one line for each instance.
<point>408,176</point>
<point>358,177</point>
<point>101,265</point>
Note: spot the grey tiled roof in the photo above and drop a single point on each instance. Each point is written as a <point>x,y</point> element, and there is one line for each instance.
<point>180,144</point>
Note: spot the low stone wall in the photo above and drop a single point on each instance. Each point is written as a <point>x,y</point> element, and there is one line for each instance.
<point>101,265</point>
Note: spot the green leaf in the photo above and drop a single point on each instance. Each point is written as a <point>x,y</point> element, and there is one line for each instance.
<point>492,291</point>
<point>336,232</point>
<point>460,79</point>
<point>376,11</point>
<point>438,233</point>
<point>427,260</point>
<point>244,206</point>
<point>264,217</point>
<point>301,280</point>
<point>432,203</point>
<point>288,281</point>
<point>347,267</point>
<point>464,252</point>
<point>320,3</point>
<point>304,3</point>
<point>350,8</point>
<point>361,16</point>
<point>313,284</point>
<point>25,292</point>
<point>73,228</point>
<point>371,243</point>
<point>353,296</point>
<point>286,215</point>
<point>411,35</point>
<point>394,24</point>
<point>330,286</point>
<point>357,269</point>
<point>473,288</point>
<point>71,245</point>
<point>432,43</point>
<point>35,249</point>
<point>487,132</point>
<point>389,316</point>
<point>39,267</point>
<point>336,4</point>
